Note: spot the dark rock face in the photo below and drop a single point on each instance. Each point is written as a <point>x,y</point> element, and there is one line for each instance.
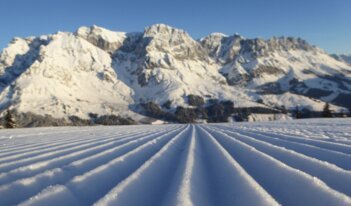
<point>266,70</point>
<point>238,80</point>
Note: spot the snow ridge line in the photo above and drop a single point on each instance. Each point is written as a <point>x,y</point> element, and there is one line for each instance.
<point>32,185</point>
<point>184,194</point>
<point>339,159</point>
<point>61,145</point>
<point>143,174</point>
<point>26,162</point>
<point>45,165</point>
<point>206,165</point>
<point>105,176</point>
<point>334,176</point>
<point>238,188</point>
<point>304,189</point>
<point>85,138</point>
<point>93,139</point>
<point>46,138</point>
<point>322,144</point>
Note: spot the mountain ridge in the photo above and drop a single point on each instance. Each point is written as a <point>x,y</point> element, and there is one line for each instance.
<point>95,70</point>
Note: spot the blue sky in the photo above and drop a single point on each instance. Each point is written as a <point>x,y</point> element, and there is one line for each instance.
<point>325,23</point>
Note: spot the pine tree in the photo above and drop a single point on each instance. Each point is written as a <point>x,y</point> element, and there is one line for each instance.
<point>298,113</point>
<point>326,111</point>
<point>9,120</point>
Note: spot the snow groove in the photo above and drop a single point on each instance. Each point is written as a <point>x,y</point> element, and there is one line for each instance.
<point>34,184</point>
<point>106,176</point>
<point>339,147</point>
<point>34,151</point>
<point>158,169</point>
<point>335,177</point>
<point>340,159</point>
<point>214,164</point>
<point>300,187</point>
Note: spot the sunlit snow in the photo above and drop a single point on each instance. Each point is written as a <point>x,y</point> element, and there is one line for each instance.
<point>303,162</point>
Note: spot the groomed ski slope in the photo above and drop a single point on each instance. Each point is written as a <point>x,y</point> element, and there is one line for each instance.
<point>304,162</point>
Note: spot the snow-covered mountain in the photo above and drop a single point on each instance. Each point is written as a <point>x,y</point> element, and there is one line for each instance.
<point>61,75</point>
<point>281,68</point>
<point>94,70</point>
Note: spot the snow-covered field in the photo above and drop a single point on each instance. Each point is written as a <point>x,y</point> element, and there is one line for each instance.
<point>305,162</point>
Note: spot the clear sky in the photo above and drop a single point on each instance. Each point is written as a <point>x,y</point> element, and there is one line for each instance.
<point>325,23</point>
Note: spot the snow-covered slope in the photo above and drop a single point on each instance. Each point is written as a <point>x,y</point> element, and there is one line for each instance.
<point>61,75</point>
<point>280,163</point>
<point>168,64</point>
<point>280,65</point>
<point>94,70</point>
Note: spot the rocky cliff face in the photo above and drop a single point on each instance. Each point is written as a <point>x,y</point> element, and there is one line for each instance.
<point>94,70</point>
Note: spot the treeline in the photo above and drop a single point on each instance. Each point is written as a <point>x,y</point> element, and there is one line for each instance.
<point>299,113</point>
<point>13,119</point>
<point>211,111</point>
<point>214,110</point>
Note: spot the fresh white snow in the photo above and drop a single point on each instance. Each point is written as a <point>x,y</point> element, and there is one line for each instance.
<point>293,162</point>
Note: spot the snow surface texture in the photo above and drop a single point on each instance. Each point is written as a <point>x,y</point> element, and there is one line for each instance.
<point>95,70</point>
<point>305,162</point>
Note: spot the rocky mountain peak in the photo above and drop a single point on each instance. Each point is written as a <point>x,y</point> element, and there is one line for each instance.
<point>221,47</point>
<point>105,39</point>
<point>161,39</point>
<point>163,30</point>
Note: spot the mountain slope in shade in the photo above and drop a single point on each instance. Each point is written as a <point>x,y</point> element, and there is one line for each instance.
<point>94,70</point>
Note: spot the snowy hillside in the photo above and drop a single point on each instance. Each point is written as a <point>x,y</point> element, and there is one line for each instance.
<point>94,70</point>
<point>282,163</point>
<point>61,74</point>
